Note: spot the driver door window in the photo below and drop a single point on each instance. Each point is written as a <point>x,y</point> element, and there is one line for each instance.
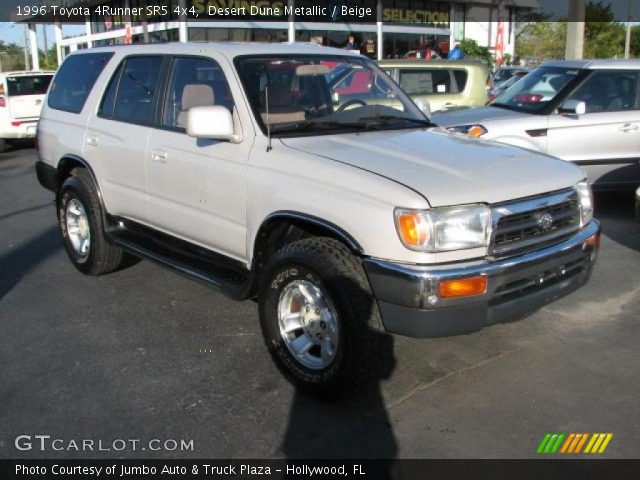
<point>608,92</point>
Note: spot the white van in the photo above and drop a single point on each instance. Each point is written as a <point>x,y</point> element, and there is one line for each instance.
<point>21,96</point>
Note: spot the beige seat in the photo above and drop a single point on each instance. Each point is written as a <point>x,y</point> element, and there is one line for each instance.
<point>280,108</point>
<point>196,95</point>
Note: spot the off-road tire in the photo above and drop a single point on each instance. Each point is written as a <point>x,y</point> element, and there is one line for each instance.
<point>103,257</point>
<point>365,351</point>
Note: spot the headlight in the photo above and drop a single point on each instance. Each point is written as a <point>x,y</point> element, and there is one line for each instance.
<point>585,196</point>
<point>444,229</point>
<point>471,130</point>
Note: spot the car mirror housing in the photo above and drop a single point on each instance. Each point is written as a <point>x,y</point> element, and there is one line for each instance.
<point>213,122</point>
<point>573,107</point>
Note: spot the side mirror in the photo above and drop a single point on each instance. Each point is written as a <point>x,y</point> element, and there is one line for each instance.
<point>573,107</point>
<point>212,122</point>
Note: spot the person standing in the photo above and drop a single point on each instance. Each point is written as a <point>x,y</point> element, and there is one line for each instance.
<point>351,43</point>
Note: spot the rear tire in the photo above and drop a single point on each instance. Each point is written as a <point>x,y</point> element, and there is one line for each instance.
<point>321,280</point>
<point>81,226</point>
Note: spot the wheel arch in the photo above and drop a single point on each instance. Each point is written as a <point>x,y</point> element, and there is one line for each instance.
<point>284,226</point>
<point>67,163</point>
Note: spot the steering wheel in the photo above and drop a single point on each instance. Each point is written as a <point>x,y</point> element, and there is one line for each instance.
<point>355,101</point>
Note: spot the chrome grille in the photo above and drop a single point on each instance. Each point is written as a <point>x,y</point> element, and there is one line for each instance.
<point>519,227</point>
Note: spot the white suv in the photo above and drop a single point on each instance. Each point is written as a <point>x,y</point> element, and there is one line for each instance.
<point>21,96</point>
<point>236,165</point>
<point>586,112</point>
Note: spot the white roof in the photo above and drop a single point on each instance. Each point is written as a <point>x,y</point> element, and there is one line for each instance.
<point>596,64</point>
<point>229,49</point>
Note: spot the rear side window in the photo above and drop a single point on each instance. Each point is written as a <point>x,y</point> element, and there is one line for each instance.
<point>461,79</point>
<point>426,82</point>
<point>75,79</point>
<point>131,92</point>
<point>28,85</point>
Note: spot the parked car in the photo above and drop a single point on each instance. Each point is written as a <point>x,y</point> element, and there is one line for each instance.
<point>230,164</point>
<point>444,84</point>
<point>21,96</point>
<point>587,112</point>
<point>495,92</point>
<point>505,73</point>
<point>424,54</point>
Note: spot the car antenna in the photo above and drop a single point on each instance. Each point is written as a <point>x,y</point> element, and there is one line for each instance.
<point>266,97</point>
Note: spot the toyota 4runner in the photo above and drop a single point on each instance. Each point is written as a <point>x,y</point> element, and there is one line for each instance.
<point>237,166</point>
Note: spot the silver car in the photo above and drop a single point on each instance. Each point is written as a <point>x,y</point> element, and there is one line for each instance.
<point>587,112</point>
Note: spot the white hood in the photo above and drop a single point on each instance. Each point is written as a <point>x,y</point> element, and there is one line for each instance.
<point>446,169</point>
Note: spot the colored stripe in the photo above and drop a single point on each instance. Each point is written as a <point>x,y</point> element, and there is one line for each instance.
<point>567,443</point>
<point>574,443</point>
<point>552,440</point>
<point>558,442</point>
<point>591,442</point>
<point>605,443</point>
<point>543,443</point>
<point>595,447</point>
<point>584,439</point>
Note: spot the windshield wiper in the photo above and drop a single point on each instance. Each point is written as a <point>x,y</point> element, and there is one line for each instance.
<point>387,118</point>
<point>308,124</point>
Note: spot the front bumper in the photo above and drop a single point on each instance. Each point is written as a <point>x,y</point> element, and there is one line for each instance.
<point>407,295</point>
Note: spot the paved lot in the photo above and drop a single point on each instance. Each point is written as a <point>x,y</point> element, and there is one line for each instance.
<point>146,354</point>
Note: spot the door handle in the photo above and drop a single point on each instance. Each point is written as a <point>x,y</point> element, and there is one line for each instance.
<point>159,156</point>
<point>628,127</point>
<point>92,140</point>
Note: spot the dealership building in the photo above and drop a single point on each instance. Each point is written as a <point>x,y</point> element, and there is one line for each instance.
<point>395,28</point>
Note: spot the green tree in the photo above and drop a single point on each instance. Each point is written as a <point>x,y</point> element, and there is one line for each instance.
<point>603,37</point>
<point>471,49</point>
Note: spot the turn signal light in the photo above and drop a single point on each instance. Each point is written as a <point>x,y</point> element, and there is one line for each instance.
<point>593,241</point>
<point>477,131</point>
<point>463,287</point>
<point>413,229</point>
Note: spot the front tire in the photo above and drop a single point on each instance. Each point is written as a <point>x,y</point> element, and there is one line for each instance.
<point>320,321</point>
<point>81,226</point>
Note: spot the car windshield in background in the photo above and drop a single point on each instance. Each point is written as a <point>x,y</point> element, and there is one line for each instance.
<point>323,95</point>
<point>28,85</point>
<point>537,89</point>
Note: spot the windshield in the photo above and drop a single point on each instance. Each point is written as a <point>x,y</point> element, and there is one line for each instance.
<point>537,89</point>
<point>313,94</point>
<point>28,85</point>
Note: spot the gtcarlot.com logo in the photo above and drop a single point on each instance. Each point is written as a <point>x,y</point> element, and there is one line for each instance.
<point>45,443</point>
<point>569,443</point>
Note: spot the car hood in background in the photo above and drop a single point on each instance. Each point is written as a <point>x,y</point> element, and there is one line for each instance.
<point>474,115</point>
<point>446,169</point>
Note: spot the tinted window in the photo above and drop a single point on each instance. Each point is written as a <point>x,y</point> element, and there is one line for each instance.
<point>461,79</point>
<point>34,85</point>
<point>109,99</point>
<point>608,91</point>
<point>136,90</point>
<point>426,82</point>
<point>194,82</point>
<point>75,79</point>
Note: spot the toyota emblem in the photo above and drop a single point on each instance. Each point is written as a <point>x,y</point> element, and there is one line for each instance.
<point>545,221</point>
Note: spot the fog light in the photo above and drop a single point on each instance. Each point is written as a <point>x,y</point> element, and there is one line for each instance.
<point>463,287</point>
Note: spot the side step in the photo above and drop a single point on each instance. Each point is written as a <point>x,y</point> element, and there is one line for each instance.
<point>205,266</point>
